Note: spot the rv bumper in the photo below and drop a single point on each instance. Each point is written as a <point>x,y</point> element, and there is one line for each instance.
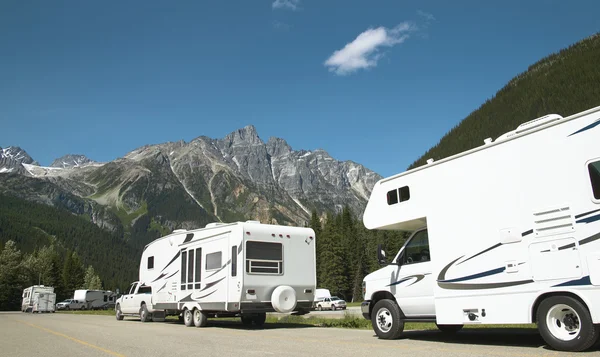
<point>364,308</point>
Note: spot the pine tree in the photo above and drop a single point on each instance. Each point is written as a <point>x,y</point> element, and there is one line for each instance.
<point>12,277</point>
<point>91,279</point>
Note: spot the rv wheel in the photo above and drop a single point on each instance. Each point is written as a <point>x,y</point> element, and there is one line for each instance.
<point>449,329</point>
<point>200,318</point>
<point>144,314</point>
<point>387,319</point>
<point>566,325</point>
<point>118,313</point>
<point>246,320</point>
<point>188,319</point>
<point>259,319</point>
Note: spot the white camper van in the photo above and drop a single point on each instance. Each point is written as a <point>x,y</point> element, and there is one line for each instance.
<point>38,298</point>
<point>239,269</point>
<point>506,233</point>
<point>95,299</point>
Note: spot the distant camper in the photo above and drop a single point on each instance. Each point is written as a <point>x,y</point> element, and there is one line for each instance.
<point>243,269</point>
<point>38,298</point>
<point>95,299</point>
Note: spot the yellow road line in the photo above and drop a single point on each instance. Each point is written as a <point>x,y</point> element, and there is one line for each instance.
<point>74,339</point>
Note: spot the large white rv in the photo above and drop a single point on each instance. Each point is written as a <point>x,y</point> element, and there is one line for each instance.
<point>95,299</point>
<point>38,298</point>
<point>239,269</point>
<point>506,233</point>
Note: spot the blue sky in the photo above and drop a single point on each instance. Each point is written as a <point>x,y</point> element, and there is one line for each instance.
<point>376,82</point>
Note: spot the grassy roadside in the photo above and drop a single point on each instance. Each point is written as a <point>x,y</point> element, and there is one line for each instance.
<point>348,321</point>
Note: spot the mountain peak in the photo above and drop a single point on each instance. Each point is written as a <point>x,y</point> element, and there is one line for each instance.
<point>244,136</point>
<point>17,154</point>
<point>69,161</point>
<point>278,147</point>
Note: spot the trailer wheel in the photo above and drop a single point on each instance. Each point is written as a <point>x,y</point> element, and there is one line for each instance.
<point>387,319</point>
<point>118,313</point>
<point>566,325</point>
<point>247,320</point>
<point>188,319</point>
<point>259,319</point>
<point>200,318</point>
<point>144,314</point>
<point>449,329</point>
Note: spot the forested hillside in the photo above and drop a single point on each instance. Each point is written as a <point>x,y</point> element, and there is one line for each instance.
<point>563,83</point>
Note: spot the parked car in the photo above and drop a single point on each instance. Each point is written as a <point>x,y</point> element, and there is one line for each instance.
<point>331,303</point>
<point>70,304</point>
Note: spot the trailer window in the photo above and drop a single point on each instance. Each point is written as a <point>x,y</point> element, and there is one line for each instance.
<point>183,269</point>
<point>234,260</point>
<point>213,261</point>
<point>264,258</point>
<point>392,197</point>
<point>150,262</point>
<point>417,250</point>
<point>594,170</point>
<point>398,195</point>
<point>198,267</point>
<point>190,269</point>
<point>105,298</point>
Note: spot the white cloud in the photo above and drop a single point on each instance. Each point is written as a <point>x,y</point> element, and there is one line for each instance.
<point>282,26</point>
<point>426,15</point>
<point>286,4</point>
<point>364,51</point>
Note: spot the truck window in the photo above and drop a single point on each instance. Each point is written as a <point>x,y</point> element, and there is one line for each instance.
<point>213,261</point>
<point>131,289</point>
<point>417,250</point>
<point>145,289</point>
<point>594,170</point>
<point>264,258</point>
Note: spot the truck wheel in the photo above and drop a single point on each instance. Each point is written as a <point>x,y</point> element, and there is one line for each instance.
<point>188,319</point>
<point>319,308</point>
<point>259,319</point>
<point>566,325</point>
<point>387,319</point>
<point>200,318</point>
<point>118,313</point>
<point>333,307</point>
<point>449,329</point>
<point>144,314</point>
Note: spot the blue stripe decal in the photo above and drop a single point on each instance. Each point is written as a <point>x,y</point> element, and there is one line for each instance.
<point>586,213</point>
<point>583,281</point>
<point>476,276</point>
<point>589,219</point>
<point>401,281</point>
<point>594,124</point>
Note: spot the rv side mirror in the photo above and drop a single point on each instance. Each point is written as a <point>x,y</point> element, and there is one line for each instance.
<point>380,255</point>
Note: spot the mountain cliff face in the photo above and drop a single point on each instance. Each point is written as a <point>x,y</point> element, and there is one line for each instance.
<point>157,188</point>
<point>12,158</point>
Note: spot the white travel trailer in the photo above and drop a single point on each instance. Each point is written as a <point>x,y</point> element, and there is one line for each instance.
<point>95,299</point>
<point>38,298</point>
<point>239,269</point>
<point>506,233</point>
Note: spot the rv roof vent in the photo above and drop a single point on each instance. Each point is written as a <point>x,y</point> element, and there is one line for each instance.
<point>214,224</point>
<point>258,222</point>
<point>506,135</point>
<point>487,141</point>
<point>430,161</point>
<point>537,122</point>
<point>179,231</point>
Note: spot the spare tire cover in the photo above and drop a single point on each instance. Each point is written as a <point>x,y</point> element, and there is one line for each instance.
<point>283,299</point>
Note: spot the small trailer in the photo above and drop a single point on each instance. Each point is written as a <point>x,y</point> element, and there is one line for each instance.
<point>38,298</point>
<point>243,269</point>
<point>506,233</point>
<point>95,299</point>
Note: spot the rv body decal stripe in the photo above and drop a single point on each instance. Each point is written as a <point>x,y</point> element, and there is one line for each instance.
<point>176,271</point>
<point>164,286</point>
<point>159,277</point>
<point>172,260</point>
<point>418,277</point>
<point>594,124</point>
<point>582,281</point>
<point>483,251</point>
<point>570,245</point>
<point>586,213</point>
<point>526,233</point>
<point>476,276</point>
<point>454,286</point>
<point>203,296</point>
<point>240,248</point>
<point>589,239</point>
<point>589,219</point>
<point>188,237</point>
<point>187,298</point>
<point>221,268</point>
<point>208,285</point>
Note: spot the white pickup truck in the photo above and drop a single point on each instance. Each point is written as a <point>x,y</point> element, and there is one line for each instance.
<point>136,301</point>
<point>331,303</point>
<point>70,304</point>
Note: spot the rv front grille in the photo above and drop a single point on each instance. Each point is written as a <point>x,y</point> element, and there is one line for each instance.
<point>553,221</point>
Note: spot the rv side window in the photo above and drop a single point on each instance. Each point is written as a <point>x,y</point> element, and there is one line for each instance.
<point>190,269</point>
<point>264,258</point>
<point>417,250</point>
<point>234,260</point>
<point>150,262</point>
<point>594,170</point>
<point>392,197</point>
<point>105,298</point>
<point>198,267</point>
<point>404,193</point>
<point>213,261</point>
<point>183,269</point>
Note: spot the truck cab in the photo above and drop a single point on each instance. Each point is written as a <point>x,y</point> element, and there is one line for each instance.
<point>402,290</point>
<point>136,301</point>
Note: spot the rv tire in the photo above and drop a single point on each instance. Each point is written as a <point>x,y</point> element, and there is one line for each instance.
<point>144,314</point>
<point>566,325</point>
<point>386,319</point>
<point>247,320</point>
<point>259,319</point>
<point>200,318</point>
<point>188,318</point>
<point>449,329</point>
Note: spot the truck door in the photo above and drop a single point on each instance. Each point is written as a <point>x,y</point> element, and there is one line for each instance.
<point>413,284</point>
<point>128,302</point>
